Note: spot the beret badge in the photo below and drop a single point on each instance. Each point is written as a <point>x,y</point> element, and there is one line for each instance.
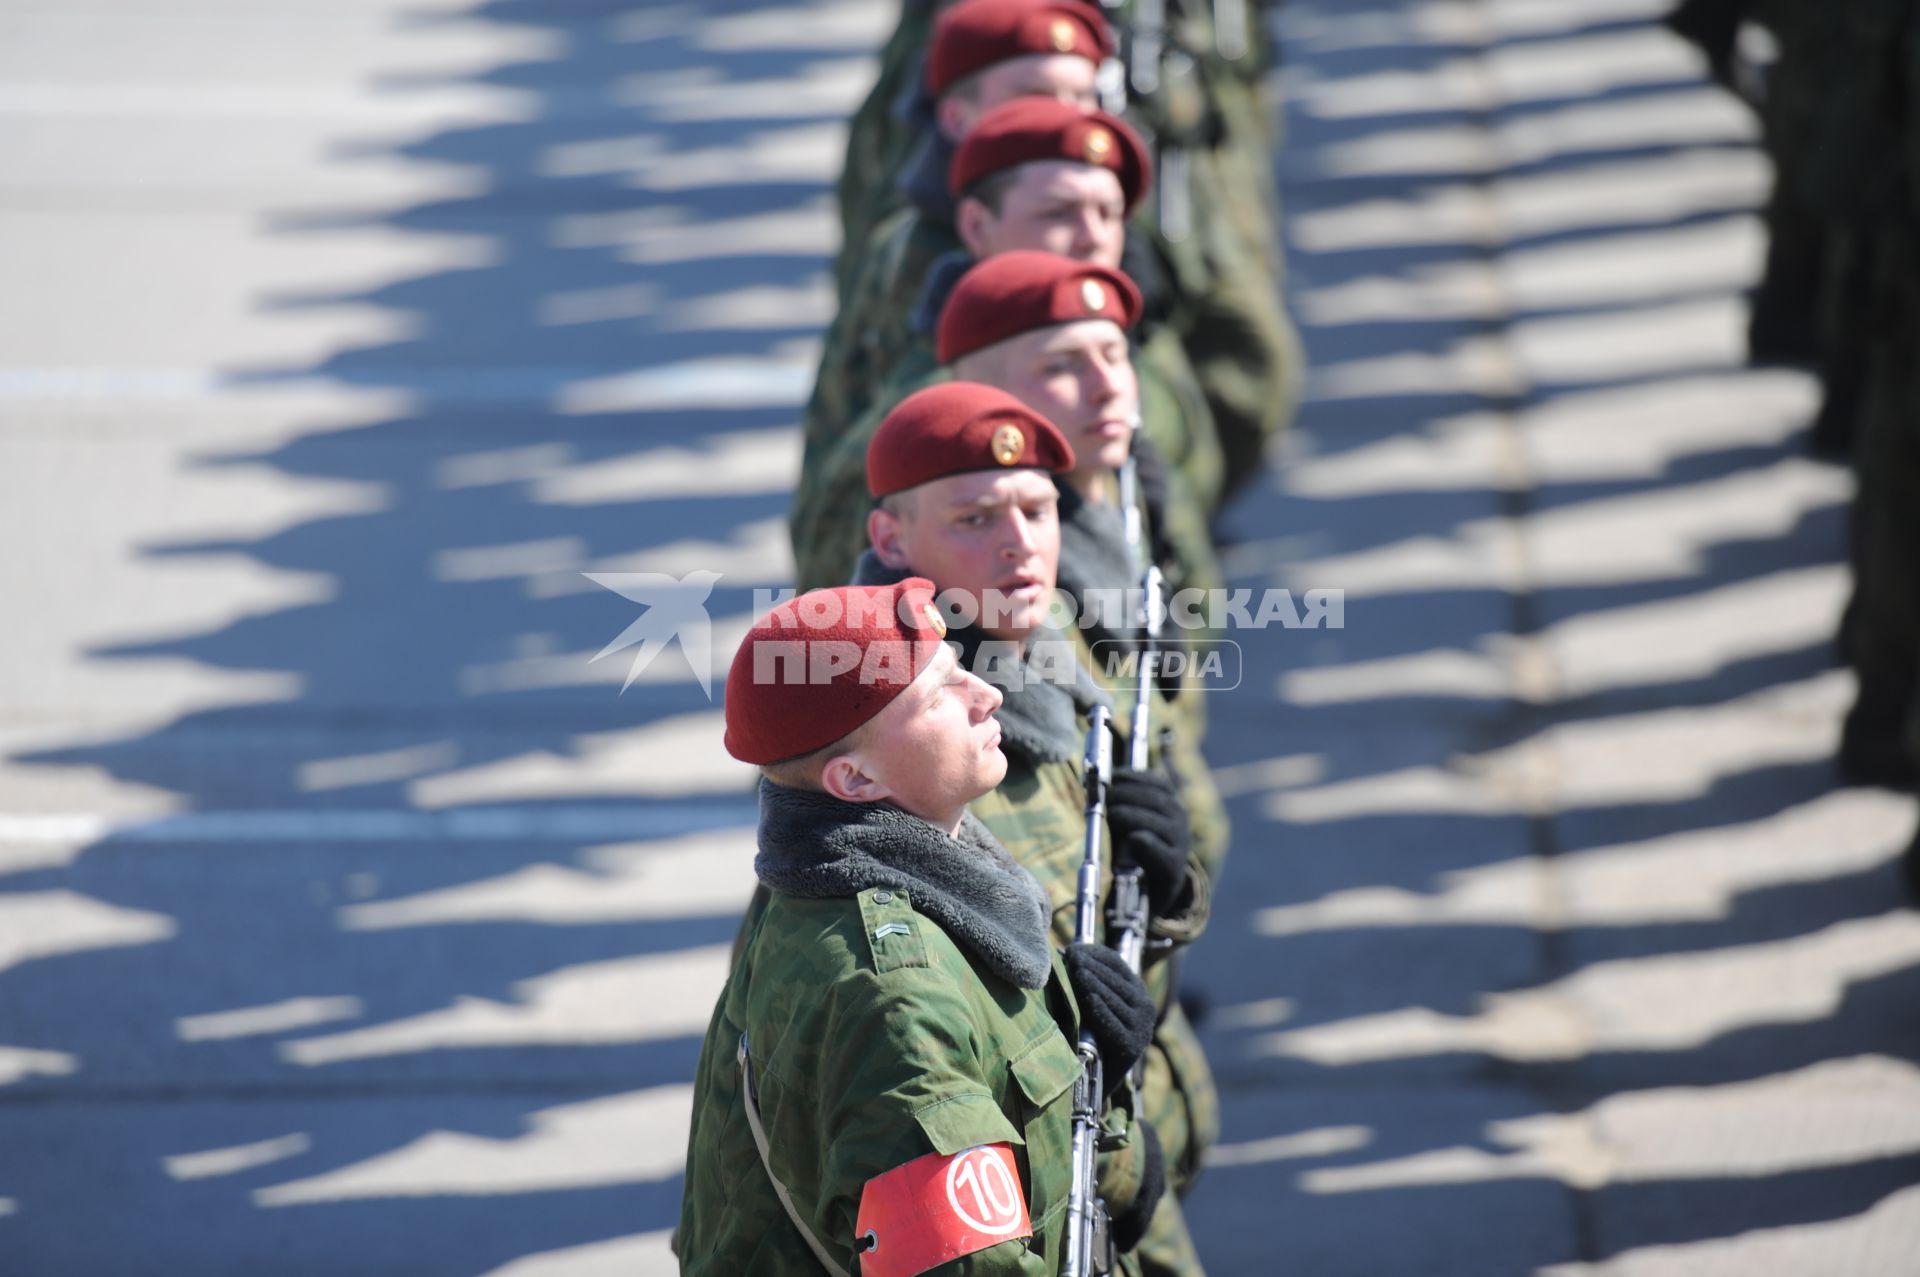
<point>1092,296</point>
<point>1098,147</point>
<point>935,621</point>
<point>1007,444</point>
<point>1060,35</point>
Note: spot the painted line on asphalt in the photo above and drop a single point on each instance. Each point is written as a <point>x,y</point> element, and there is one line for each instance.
<point>731,382</point>
<point>472,824</point>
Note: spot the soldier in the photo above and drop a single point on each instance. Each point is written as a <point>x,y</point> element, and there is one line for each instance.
<point>900,126</point>
<point>1052,332</point>
<point>1193,77</point>
<point>1032,175</point>
<point>896,1022</point>
<point>963,477</point>
<point>1867,141</point>
<point>983,53</point>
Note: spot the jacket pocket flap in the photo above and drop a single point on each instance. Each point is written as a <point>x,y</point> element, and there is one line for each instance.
<point>1047,1069</point>
<point>965,1121</point>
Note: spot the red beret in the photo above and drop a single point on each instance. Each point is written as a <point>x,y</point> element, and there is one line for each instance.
<point>821,664</point>
<point>975,34</point>
<point>1029,129</point>
<point>1011,293</point>
<point>955,428</point>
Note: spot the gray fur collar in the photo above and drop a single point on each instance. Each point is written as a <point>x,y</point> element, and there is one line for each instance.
<point>942,276</point>
<point>1047,689</point>
<point>815,846</point>
<point>923,181</point>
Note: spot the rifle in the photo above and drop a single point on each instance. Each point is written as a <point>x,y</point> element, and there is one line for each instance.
<point>1230,29</point>
<point>1110,82</point>
<point>1086,1218</point>
<point>1146,50</point>
<point>1127,908</point>
<point>1174,185</point>
<point>1127,912</point>
<point>1147,45</point>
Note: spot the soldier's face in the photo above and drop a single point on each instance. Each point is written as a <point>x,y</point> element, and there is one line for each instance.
<point>992,534</point>
<point>1066,77</point>
<point>936,747</point>
<point>1079,376</point>
<point>1053,206</point>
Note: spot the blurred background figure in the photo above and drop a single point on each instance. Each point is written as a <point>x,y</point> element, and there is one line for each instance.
<point>1836,96</point>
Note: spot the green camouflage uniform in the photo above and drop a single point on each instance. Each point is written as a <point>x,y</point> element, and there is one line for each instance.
<point>830,506</point>
<point>1039,814</point>
<point>1227,267</point>
<point>1225,263</point>
<point>879,136</point>
<point>1179,720</point>
<point>1176,415</point>
<point>874,331</point>
<point>875,1039</point>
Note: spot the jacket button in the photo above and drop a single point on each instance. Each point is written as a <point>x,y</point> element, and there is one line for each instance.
<point>883,897</point>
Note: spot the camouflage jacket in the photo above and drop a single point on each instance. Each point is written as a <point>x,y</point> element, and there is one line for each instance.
<point>883,1023</point>
<point>874,326</point>
<point>1039,813</point>
<point>1176,416</point>
<point>880,135</point>
<point>828,519</point>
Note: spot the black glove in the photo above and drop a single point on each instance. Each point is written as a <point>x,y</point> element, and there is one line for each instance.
<point>1130,1225</point>
<point>1114,1006</point>
<point>1151,828</point>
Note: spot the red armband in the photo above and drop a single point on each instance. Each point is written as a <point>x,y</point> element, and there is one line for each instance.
<point>937,1208</point>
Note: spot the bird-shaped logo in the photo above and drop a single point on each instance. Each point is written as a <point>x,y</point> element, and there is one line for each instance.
<point>676,608</point>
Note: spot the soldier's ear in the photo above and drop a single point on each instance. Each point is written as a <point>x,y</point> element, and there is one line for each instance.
<point>953,115</point>
<point>973,221</point>
<point>843,778</point>
<point>883,533</point>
